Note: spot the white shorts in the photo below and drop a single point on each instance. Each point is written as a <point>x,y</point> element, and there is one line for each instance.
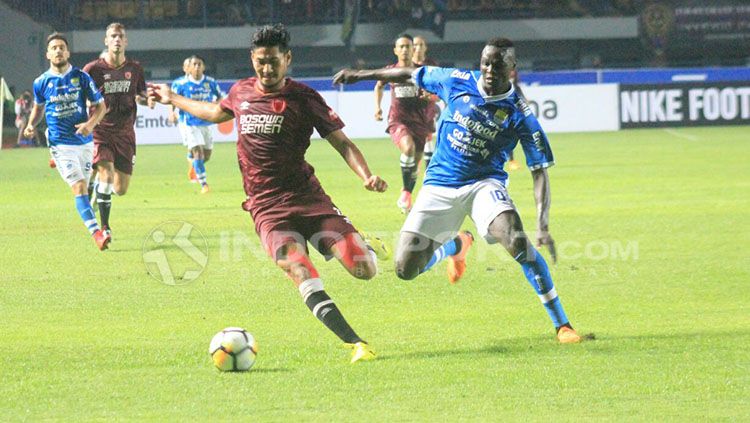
<point>73,161</point>
<point>182,127</point>
<point>439,211</point>
<point>198,136</point>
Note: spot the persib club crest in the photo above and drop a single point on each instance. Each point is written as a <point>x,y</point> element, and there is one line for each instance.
<point>500,116</point>
<point>75,82</point>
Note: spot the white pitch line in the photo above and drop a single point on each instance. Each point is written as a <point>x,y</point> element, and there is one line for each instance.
<point>678,134</point>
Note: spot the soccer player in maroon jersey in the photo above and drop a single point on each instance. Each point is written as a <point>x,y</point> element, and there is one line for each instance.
<point>275,117</point>
<point>431,111</point>
<point>123,84</point>
<point>407,125</point>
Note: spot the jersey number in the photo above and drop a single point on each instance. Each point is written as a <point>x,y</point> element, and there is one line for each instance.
<point>498,195</point>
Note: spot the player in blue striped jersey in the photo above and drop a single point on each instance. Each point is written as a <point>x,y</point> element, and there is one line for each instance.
<point>174,119</point>
<point>484,118</point>
<point>200,87</point>
<point>63,92</point>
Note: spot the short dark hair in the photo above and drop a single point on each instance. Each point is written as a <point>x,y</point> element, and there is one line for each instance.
<point>195,56</point>
<point>271,36</point>
<point>404,35</point>
<point>499,42</point>
<point>57,36</point>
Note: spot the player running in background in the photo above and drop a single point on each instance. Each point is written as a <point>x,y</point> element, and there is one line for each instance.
<point>484,118</point>
<point>197,86</point>
<point>122,83</point>
<point>407,125</point>
<point>62,92</point>
<point>432,110</point>
<point>275,117</point>
<point>174,119</point>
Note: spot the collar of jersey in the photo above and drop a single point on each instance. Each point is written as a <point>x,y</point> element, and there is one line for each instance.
<point>70,68</point>
<point>498,97</point>
<point>196,81</point>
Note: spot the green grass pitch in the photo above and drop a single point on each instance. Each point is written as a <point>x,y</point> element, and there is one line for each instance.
<point>653,227</point>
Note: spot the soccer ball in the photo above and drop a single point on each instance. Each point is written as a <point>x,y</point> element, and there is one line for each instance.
<point>233,350</point>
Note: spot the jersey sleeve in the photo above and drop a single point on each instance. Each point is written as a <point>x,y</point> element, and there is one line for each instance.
<point>175,87</point>
<point>227,103</point>
<point>323,118</point>
<point>141,87</point>
<point>216,91</point>
<point>90,90</point>
<point>39,91</point>
<point>534,141</point>
<point>434,79</point>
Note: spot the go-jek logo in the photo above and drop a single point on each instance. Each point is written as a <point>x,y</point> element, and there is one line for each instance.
<point>175,253</point>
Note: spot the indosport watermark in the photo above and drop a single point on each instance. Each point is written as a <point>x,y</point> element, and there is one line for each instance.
<point>238,246</point>
<point>175,253</point>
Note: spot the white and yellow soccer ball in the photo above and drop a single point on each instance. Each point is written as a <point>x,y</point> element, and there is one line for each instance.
<point>233,350</point>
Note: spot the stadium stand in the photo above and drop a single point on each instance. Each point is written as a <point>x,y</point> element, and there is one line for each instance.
<point>91,14</point>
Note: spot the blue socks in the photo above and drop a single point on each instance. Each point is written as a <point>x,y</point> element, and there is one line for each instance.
<point>200,170</point>
<point>450,248</point>
<point>537,273</point>
<point>87,213</point>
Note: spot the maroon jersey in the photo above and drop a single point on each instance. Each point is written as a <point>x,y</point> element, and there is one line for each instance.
<point>119,87</point>
<point>407,107</point>
<point>274,132</point>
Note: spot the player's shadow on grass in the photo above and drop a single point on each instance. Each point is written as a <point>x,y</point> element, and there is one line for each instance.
<point>123,250</point>
<point>262,370</point>
<point>681,338</point>
<point>601,344</point>
<point>507,348</point>
<point>270,370</point>
<point>498,348</point>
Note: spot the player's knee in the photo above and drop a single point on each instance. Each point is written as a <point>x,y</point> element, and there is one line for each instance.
<point>365,270</point>
<point>298,272</point>
<point>406,269</point>
<point>120,191</point>
<point>296,265</point>
<point>518,242</point>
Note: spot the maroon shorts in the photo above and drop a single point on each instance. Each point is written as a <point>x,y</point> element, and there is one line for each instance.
<point>321,230</point>
<point>398,131</point>
<point>118,149</point>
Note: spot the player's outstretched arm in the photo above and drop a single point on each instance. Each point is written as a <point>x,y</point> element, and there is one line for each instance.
<point>350,76</point>
<point>543,198</point>
<point>211,112</point>
<point>144,100</point>
<point>378,100</point>
<point>356,161</point>
<point>34,118</point>
<point>86,128</point>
